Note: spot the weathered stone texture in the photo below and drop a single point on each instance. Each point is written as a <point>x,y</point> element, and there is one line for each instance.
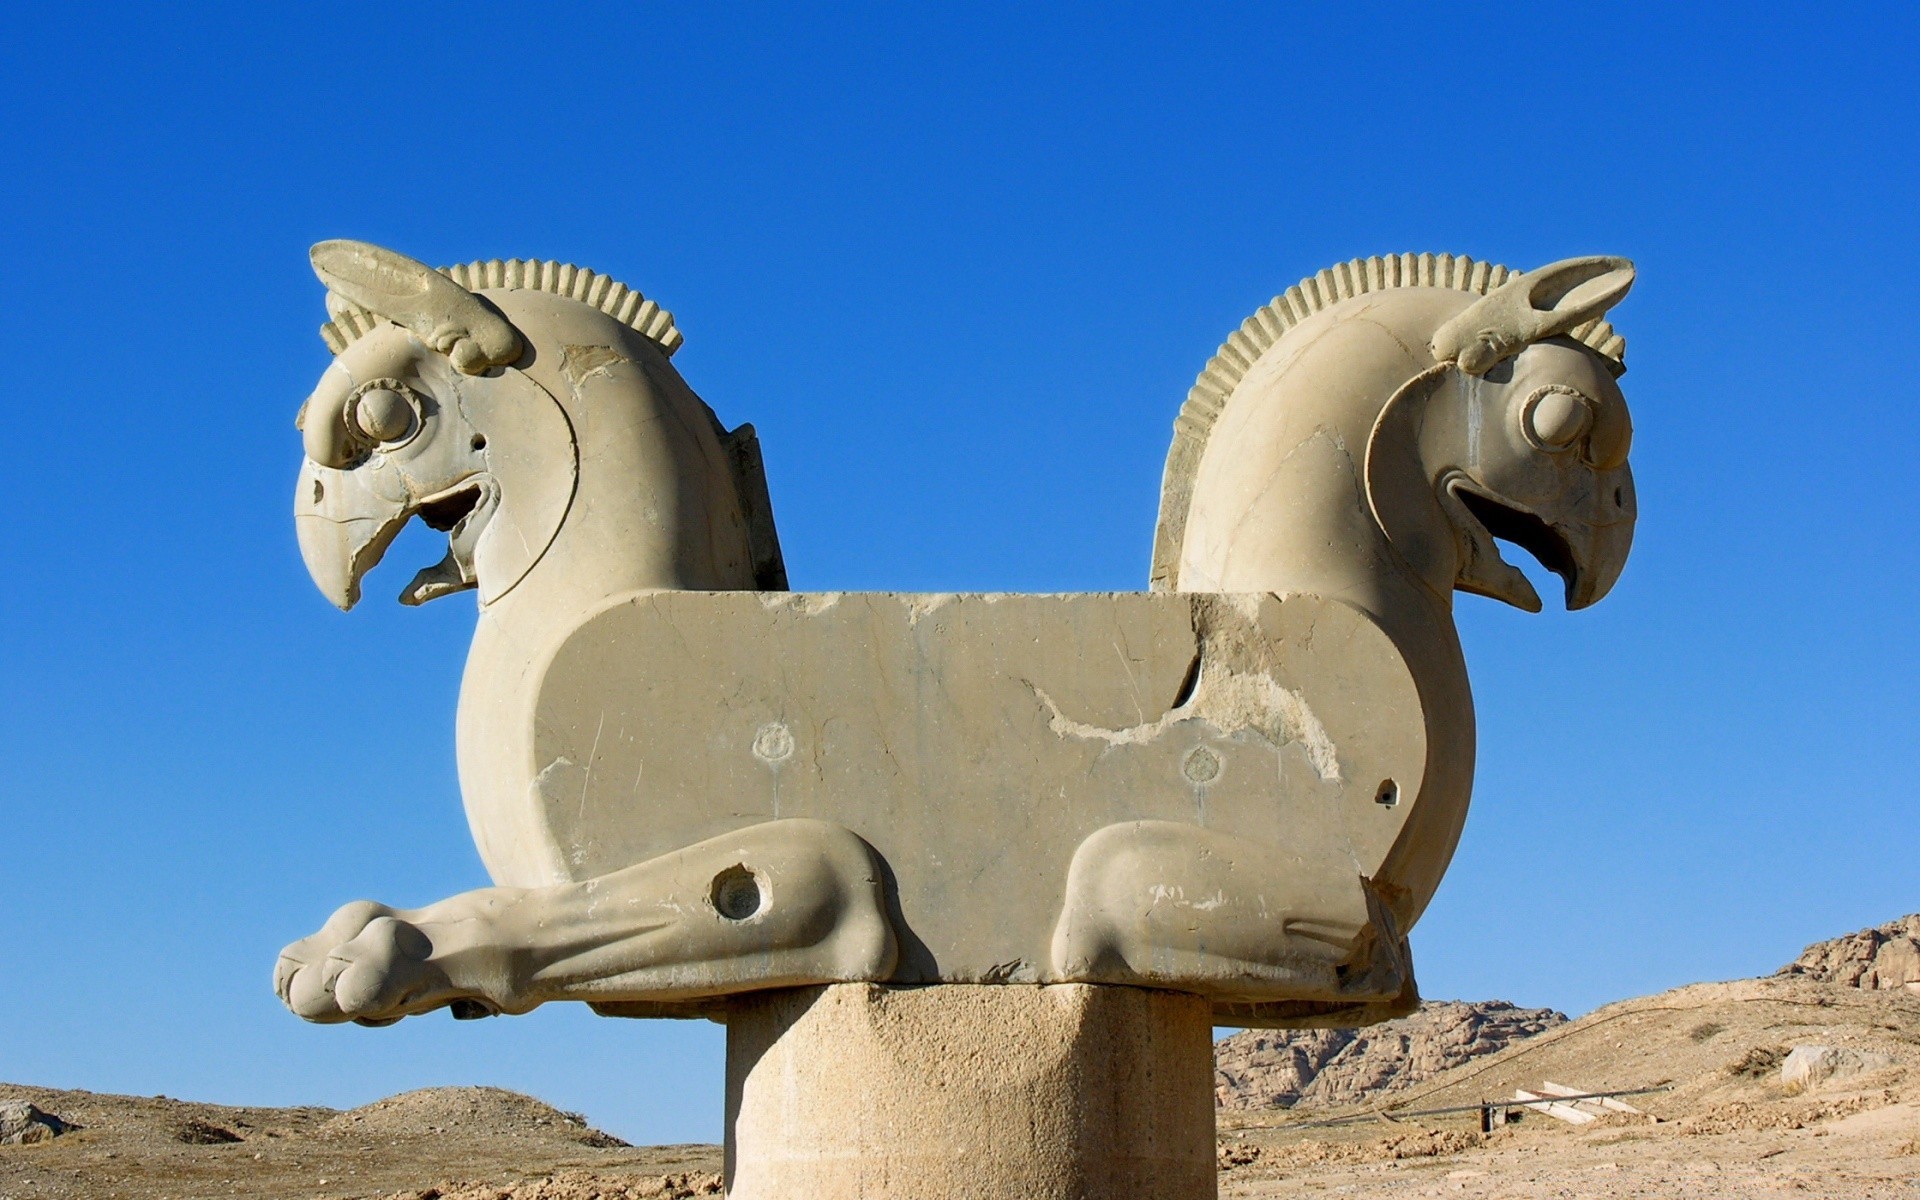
<point>1807,1067</point>
<point>1045,1093</point>
<point>1322,1067</point>
<point>1880,959</point>
<point>22,1124</point>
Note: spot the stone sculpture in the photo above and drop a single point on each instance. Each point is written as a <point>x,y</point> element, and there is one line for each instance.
<point>692,786</point>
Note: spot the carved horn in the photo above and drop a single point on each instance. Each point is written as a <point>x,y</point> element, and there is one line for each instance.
<point>411,294</point>
<point>1529,308</point>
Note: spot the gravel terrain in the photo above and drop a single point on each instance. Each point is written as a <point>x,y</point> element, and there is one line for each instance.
<point>438,1144</point>
<point>1723,1127</point>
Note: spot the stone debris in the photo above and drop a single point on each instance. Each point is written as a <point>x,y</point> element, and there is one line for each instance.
<point>1394,1147</point>
<point>1757,1063</point>
<point>577,1185</point>
<point>1263,1068</point>
<point>1235,1154</point>
<point>1807,1067</point>
<point>23,1124</point>
<point>205,1133</point>
<point>1775,1114</point>
<point>1883,958</point>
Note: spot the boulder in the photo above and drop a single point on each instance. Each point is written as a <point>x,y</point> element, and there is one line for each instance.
<point>1807,1067</point>
<point>23,1124</point>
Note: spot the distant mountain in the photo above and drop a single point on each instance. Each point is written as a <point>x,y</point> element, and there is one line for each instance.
<point>1268,1068</point>
<point>1880,959</point>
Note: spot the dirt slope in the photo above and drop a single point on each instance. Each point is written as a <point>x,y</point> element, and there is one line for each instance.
<point>1314,1068</point>
<point>1728,1127</point>
<point>437,1142</point>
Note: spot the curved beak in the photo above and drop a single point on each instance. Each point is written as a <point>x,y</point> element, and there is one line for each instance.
<point>1599,544</point>
<point>344,525</point>
<point>1598,554</point>
<point>1587,548</point>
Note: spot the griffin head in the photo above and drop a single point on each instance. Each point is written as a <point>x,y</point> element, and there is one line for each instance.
<point>1532,449</point>
<point>423,415</point>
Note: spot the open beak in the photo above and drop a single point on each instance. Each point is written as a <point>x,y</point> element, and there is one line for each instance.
<point>344,526</point>
<point>346,520</point>
<point>1588,554</point>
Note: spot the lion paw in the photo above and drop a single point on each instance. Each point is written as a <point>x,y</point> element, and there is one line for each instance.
<point>367,964</point>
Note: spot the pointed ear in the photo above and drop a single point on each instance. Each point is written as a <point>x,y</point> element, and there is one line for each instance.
<point>1530,308</point>
<point>413,295</point>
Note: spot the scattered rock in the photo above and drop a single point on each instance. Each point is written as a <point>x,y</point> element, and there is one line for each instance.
<point>205,1133</point>
<point>1758,1063</point>
<point>1235,1154</point>
<point>1880,959</point>
<point>1321,1067</point>
<point>1807,1067</point>
<point>577,1185</point>
<point>1797,1113</point>
<point>1394,1147</point>
<point>23,1124</point>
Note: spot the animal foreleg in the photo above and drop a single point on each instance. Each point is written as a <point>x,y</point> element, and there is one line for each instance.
<point>1162,904</point>
<point>781,904</point>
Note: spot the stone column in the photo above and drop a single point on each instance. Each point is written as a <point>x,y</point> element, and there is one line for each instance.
<point>1065,1092</point>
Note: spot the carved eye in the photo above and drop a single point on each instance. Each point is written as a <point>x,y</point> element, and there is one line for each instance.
<point>1556,419</point>
<point>383,415</point>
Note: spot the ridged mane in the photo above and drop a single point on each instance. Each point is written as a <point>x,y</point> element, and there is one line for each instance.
<point>1259,332</point>
<point>350,322</point>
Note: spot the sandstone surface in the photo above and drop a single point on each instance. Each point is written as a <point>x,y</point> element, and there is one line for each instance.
<point>23,1124</point>
<point>1807,1067</point>
<point>1306,1068</point>
<point>1886,956</point>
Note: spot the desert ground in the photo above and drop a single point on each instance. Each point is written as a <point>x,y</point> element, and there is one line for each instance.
<point>438,1144</point>
<point>1722,1124</point>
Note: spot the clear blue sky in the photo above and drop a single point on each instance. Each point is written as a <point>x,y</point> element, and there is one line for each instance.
<point>960,268</point>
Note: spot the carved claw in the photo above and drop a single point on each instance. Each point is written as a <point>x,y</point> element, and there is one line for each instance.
<point>373,965</point>
<point>780,904</point>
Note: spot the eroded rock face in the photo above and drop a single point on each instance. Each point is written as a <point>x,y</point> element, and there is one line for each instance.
<point>23,1124</point>
<point>1807,1067</point>
<point>1325,1067</point>
<point>1879,959</point>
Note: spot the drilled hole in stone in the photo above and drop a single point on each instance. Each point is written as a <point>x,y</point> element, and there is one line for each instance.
<point>319,491</point>
<point>736,893</point>
<point>1388,795</point>
<point>1201,766</point>
<point>773,743</point>
<point>479,442</point>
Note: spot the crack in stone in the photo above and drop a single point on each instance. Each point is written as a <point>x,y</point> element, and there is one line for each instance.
<point>1227,700</point>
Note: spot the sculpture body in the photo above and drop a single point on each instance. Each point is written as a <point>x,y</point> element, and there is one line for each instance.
<point>690,784</point>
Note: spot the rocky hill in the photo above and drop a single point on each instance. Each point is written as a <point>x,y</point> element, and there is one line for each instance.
<point>1878,959</point>
<point>457,1143</point>
<point>1711,1067</point>
<point>1263,1068</point>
